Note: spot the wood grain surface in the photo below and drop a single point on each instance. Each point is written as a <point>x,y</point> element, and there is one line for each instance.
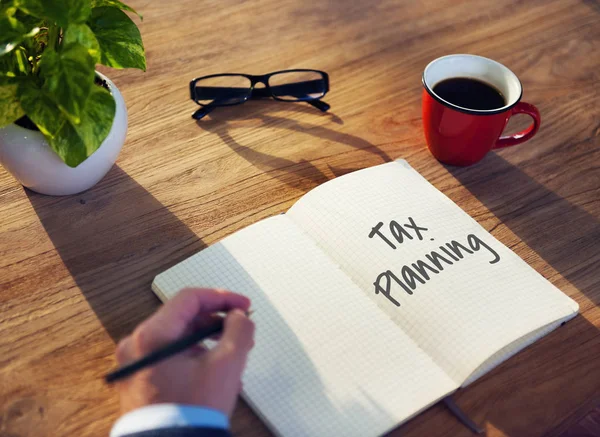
<point>75,272</point>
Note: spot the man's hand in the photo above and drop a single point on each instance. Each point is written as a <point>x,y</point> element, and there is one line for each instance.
<point>207,378</point>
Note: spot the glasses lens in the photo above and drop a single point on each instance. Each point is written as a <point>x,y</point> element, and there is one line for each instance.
<point>298,85</point>
<point>222,90</point>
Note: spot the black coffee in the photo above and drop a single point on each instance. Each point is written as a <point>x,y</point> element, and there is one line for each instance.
<point>470,93</point>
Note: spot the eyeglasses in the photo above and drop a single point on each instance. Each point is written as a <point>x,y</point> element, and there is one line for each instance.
<point>233,89</point>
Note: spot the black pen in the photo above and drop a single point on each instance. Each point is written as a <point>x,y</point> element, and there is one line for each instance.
<point>167,351</point>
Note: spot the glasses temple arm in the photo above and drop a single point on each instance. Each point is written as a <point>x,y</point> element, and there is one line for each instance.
<point>202,112</point>
<point>319,104</point>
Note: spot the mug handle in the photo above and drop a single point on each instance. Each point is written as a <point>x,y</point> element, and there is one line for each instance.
<point>524,135</point>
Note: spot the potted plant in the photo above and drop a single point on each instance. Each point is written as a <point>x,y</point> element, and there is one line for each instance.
<point>62,124</point>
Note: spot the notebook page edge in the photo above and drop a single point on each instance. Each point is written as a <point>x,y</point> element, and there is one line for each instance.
<point>158,292</point>
<point>513,348</point>
<point>260,415</point>
<point>331,183</point>
<point>156,287</point>
<point>420,410</point>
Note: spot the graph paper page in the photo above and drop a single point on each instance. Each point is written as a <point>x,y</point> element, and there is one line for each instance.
<point>327,361</point>
<point>463,303</point>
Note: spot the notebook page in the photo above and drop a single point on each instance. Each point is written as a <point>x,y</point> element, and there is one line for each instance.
<point>510,350</point>
<point>326,361</point>
<point>461,308</point>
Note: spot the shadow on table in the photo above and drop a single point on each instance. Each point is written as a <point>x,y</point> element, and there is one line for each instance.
<point>561,369</point>
<point>566,236</point>
<point>562,233</point>
<point>593,4</point>
<point>114,239</point>
<point>302,174</point>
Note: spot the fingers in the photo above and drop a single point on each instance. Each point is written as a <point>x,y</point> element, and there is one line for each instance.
<point>190,302</point>
<point>238,335</point>
<point>196,351</point>
<point>124,352</point>
<point>175,318</point>
<point>205,320</point>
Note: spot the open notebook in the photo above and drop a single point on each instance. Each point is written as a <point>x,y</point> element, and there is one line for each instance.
<point>375,296</point>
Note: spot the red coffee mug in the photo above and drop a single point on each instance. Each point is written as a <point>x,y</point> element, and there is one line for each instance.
<point>462,136</point>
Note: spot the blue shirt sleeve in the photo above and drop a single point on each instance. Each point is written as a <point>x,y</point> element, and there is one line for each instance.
<point>168,416</point>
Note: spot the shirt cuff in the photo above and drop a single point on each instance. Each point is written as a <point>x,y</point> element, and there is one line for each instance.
<point>160,416</point>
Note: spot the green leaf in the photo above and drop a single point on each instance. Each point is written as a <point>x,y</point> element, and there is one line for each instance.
<point>41,109</point>
<point>68,146</point>
<point>83,35</point>
<point>119,38</point>
<point>13,32</point>
<point>115,4</point>
<point>29,20</point>
<point>10,107</point>
<point>15,63</point>
<point>62,12</point>
<point>7,7</point>
<point>72,142</point>
<point>75,143</point>
<point>69,77</point>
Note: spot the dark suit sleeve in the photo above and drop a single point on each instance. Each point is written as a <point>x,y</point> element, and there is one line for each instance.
<point>184,431</point>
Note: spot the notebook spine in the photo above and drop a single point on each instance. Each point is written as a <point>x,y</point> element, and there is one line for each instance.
<point>448,401</point>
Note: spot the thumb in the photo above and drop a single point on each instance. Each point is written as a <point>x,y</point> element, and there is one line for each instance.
<point>238,334</point>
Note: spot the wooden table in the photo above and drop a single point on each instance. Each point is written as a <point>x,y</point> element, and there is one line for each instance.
<point>75,272</point>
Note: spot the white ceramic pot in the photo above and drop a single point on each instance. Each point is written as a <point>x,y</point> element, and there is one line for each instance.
<point>28,157</point>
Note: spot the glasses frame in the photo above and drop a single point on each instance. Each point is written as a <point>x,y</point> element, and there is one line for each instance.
<point>259,93</point>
